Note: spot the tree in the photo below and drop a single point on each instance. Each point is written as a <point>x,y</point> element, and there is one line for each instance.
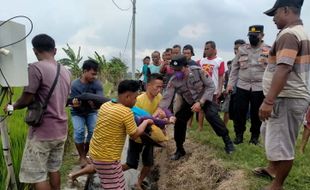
<point>102,66</point>
<point>116,70</point>
<point>72,61</point>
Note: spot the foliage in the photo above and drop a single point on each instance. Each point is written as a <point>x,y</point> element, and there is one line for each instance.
<point>112,71</point>
<point>100,59</point>
<point>116,70</point>
<point>72,61</point>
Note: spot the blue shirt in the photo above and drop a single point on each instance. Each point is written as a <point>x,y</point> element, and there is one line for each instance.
<point>145,72</point>
<point>154,68</point>
<point>78,88</point>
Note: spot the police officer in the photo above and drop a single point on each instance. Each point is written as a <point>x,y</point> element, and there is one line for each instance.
<point>247,72</point>
<point>197,92</point>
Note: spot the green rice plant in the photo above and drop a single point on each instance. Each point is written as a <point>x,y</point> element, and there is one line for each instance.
<point>17,130</point>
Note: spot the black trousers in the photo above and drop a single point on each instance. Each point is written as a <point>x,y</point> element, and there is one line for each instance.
<point>243,99</point>
<point>210,110</point>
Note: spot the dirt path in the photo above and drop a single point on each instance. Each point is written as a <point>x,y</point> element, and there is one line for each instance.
<point>198,170</point>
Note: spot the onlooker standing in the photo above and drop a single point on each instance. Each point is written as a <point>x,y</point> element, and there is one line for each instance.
<point>165,69</point>
<point>188,52</point>
<point>115,121</point>
<point>145,71</point>
<point>232,94</point>
<point>44,147</point>
<point>156,63</point>
<point>82,113</point>
<point>215,68</point>
<point>247,73</point>
<point>176,50</point>
<point>286,88</point>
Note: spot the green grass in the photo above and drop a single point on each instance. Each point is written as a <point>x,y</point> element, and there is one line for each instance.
<point>17,130</point>
<point>248,156</point>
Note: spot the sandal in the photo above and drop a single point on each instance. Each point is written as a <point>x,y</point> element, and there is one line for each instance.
<point>262,172</point>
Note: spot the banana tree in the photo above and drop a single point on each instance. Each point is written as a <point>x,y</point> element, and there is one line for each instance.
<point>72,61</point>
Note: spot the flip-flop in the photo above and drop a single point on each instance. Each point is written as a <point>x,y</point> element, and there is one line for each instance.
<point>262,172</point>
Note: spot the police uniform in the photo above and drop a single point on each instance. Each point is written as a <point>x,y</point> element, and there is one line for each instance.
<point>195,87</point>
<point>247,72</point>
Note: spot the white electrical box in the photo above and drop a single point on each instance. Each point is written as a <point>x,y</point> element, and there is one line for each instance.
<point>13,59</point>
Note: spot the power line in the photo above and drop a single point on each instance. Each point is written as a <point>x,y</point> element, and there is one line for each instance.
<point>19,16</point>
<point>120,7</point>
<point>127,37</point>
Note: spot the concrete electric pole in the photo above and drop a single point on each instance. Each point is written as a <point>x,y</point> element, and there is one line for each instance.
<point>133,55</point>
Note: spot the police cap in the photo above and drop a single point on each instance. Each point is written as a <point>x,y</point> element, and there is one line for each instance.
<point>178,61</point>
<point>256,29</point>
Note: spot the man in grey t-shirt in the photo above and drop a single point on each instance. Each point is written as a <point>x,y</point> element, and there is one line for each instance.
<point>44,147</point>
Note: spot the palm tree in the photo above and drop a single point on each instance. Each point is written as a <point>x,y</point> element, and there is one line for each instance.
<point>72,61</point>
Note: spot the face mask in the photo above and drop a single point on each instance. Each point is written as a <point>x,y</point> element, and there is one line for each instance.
<point>253,40</point>
<point>179,75</point>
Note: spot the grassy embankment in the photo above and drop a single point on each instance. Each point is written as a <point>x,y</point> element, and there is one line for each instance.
<point>248,156</point>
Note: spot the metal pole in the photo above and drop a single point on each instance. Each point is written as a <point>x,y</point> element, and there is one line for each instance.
<point>7,155</point>
<point>133,56</point>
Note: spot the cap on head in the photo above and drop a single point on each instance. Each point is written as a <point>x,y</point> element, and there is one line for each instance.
<point>178,61</point>
<point>283,3</point>
<point>190,47</point>
<point>256,29</point>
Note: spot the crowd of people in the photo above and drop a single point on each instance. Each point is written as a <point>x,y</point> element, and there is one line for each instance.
<point>267,84</point>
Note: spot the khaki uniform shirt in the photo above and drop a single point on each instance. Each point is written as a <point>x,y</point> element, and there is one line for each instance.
<point>248,67</point>
<point>196,87</point>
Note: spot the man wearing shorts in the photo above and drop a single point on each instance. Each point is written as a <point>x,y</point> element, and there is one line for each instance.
<point>286,89</point>
<point>44,147</point>
<point>115,121</point>
<point>147,101</point>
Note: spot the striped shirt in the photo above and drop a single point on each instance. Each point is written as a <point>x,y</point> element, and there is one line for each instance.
<point>292,47</point>
<point>113,123</point>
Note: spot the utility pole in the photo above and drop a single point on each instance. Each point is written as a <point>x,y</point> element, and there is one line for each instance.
<point>133,55</point>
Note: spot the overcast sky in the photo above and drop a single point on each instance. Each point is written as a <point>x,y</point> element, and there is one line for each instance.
<point>98,25</point>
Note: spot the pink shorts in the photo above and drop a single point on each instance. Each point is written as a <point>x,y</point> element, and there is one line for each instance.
<point>111,174</point>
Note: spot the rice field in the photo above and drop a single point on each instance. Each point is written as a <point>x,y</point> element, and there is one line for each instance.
<point>17,131</point>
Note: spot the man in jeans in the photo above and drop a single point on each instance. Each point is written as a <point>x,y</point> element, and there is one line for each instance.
<point>44,147</point>
<point>84,113</point>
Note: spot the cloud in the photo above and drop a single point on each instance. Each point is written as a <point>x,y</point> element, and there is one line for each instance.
<point>193,31</point>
